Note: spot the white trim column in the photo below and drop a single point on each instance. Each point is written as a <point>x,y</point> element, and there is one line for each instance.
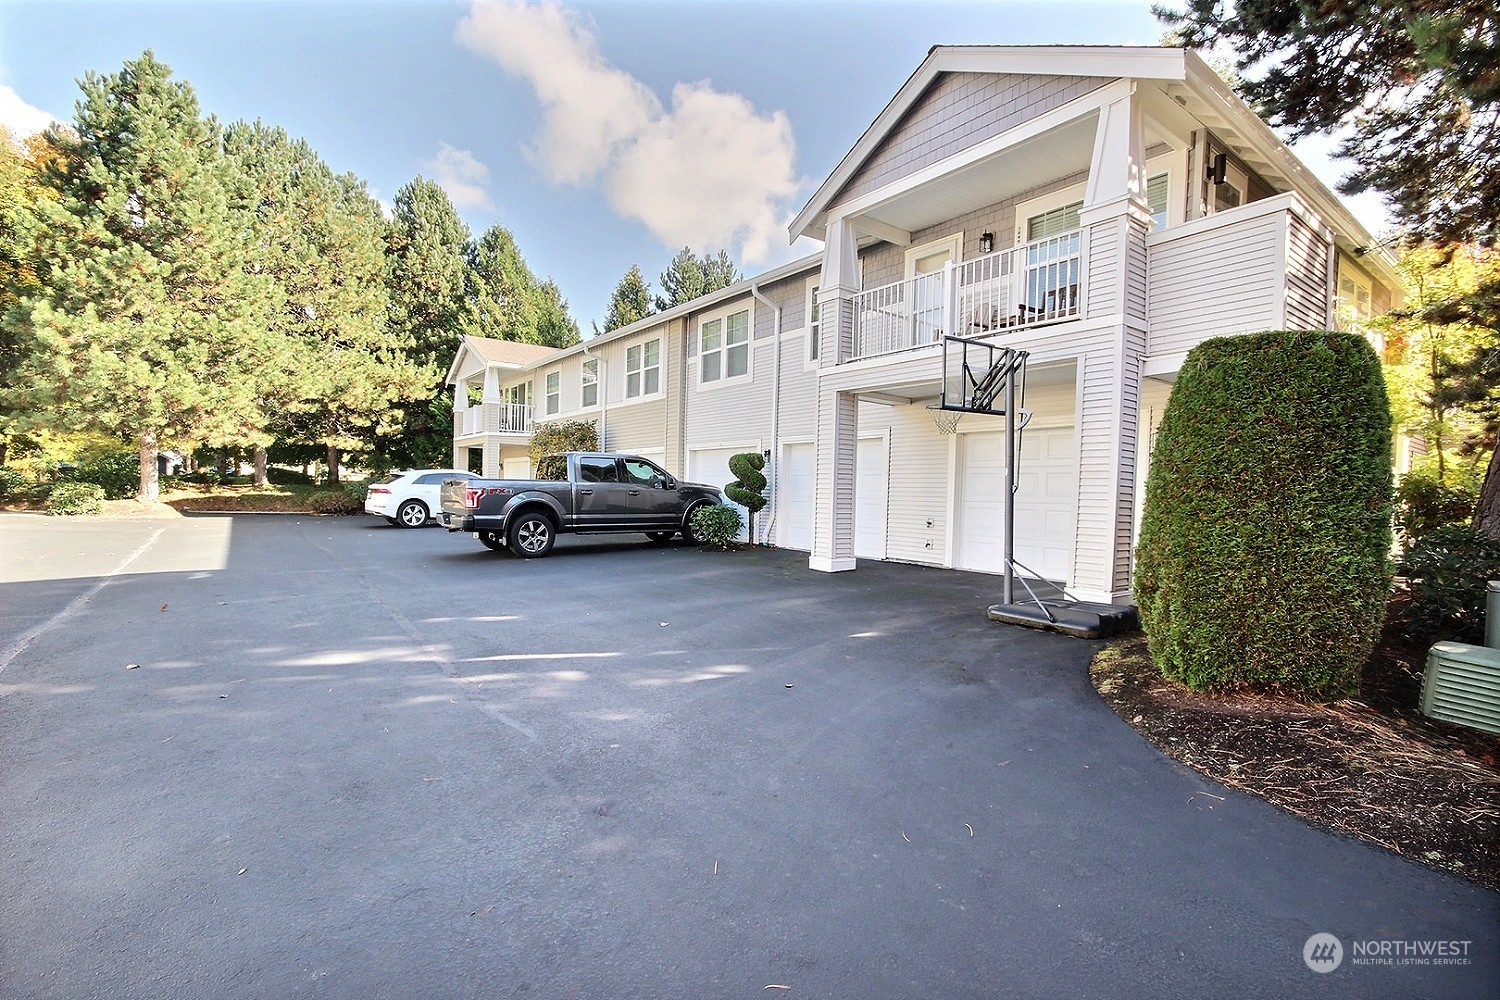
<point>837,441</point>
<point>1115,219</point>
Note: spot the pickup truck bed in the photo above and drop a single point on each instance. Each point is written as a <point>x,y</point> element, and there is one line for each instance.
<point>604,492</point>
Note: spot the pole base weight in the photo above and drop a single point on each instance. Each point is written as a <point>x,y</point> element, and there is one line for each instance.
<point>1078,619</point>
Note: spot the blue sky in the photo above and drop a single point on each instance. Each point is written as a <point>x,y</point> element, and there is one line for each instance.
<point>601,134</point>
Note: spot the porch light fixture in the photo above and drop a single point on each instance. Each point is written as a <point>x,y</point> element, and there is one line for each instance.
<point>986,242</point>
<point>1218,168</point>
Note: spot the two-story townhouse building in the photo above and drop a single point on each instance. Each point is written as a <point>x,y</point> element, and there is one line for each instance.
<point>1103,209</point>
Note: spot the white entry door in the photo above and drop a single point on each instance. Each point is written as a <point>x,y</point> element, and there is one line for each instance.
<point>1046,502</point>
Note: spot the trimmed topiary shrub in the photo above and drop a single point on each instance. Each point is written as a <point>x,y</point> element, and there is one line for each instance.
<point>1265,539</point>
<point>1449,570</point>
<point>333,502</point>
<point>76,498</point>
<point>748,488</point>
<point>550,441</point>
<point>716,525</point>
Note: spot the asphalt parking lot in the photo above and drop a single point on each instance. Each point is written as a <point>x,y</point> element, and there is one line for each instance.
<point>357,761</point>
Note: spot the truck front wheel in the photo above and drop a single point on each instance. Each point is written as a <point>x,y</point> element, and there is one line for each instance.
<point>531,535</point>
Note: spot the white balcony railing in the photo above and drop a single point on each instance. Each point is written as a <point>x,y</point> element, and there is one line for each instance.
<point>493,418</point>
<point>1035,283</point>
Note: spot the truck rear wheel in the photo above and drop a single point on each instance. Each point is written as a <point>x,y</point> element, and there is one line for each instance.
<point>531,535</point>
<point>660,537</point>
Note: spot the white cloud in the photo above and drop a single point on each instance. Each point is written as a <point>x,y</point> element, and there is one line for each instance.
<point>19,117</point>
<point>460,173</point>
<point>709,172</point>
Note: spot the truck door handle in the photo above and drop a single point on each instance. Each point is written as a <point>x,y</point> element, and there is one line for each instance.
<point>635,493</point>
<point>587,492</point>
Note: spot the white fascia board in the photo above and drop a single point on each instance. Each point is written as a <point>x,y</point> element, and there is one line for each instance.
<point>1250,127</point>
<point>1079,107</point>
<point>1134,62</point>
<point>458,356</point>
<point>1154,63</point>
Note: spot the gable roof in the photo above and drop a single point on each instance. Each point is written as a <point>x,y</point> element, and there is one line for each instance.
<point>503,353</point>
<point>1136,62</point>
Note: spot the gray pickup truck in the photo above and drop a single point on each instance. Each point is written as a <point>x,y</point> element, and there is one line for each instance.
<point>603,493</point>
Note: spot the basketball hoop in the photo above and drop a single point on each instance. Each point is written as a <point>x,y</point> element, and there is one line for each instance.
<point>946,420</point>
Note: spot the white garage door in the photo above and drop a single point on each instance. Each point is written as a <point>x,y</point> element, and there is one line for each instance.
<point>1046,499</point>
<point>516,468</point>
<point>711,468</point>
<point>798,472</point>
<point>870,495</point>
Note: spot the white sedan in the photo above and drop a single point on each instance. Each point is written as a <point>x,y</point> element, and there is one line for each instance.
<point>409,499</point>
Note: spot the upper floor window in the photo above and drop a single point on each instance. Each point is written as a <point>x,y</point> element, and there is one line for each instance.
<point>554,392</point>
<point>1156,196</point>
<point>724,347</point>
<point>1355,298</point>
<point>517,393</point>
<point>814,322</point>
<point>590,382</point>
<point>643,369</point>
<point>1063,219</point>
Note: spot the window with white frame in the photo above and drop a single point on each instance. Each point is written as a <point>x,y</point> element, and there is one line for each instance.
<point>814,321</point>
<point>1356,297</point>
<point>643,369</point>
<point>554,392</point>
<point>589,383</point>
<point>1063,219</point>
<point>1157,192</point>
<point>724,347</point>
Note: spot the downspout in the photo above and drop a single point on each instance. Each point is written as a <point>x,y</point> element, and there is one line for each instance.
<point>603,394</point>
<point>775,406</point>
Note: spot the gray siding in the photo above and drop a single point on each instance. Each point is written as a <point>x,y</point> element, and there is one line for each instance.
<point>638,427</point>
<point>1307,291</point>
<point>957,111</point>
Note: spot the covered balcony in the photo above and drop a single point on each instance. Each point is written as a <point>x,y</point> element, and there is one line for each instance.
<point>492,418</point>
<point>1015,287</point>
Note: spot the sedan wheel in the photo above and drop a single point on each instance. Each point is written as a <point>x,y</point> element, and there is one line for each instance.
<point>412,514</point>
<point>531,535</point>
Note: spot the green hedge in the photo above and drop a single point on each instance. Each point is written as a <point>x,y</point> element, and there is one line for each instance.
<point>1265,539</point>
<point>335,501</point>
<point>76,498</point>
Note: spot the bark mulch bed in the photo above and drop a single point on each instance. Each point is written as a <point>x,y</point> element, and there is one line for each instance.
<point>1371,767</point>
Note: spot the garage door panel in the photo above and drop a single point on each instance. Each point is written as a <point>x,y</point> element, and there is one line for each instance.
<point>1047,478</point>
<point>798,470</point>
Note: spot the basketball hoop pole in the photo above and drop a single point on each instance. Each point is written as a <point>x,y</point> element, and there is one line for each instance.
<point>1010,491</point>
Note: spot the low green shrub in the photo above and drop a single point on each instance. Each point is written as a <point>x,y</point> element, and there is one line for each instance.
<point>118,473</point>
<point>287,477</point>
<point>333,502</point>
<point>717,525</point>
<point>1265,538</point>
<point>358,491</point>
<point>1424,504</point>
<point>1448,571</point>
<point>76,498</point>
<point>12,483</point>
